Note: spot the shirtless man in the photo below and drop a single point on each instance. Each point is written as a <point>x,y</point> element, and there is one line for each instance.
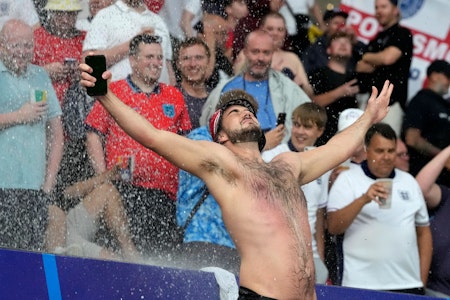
<point>262,205</point>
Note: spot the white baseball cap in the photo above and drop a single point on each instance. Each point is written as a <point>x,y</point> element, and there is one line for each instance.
<point>348,117</point>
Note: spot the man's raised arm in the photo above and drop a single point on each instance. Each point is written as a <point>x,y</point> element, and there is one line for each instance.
<point>186,154</point>
<point>339,148</point>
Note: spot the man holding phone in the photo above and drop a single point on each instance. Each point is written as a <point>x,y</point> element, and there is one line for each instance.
<point>59,44</point>
<point>98,63</point>
<point>149,197</point>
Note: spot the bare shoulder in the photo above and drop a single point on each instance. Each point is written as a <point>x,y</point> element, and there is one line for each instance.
<point>291,159</point>
<point>291,57</point>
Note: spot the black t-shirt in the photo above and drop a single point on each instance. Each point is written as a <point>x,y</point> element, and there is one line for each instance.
<point>194,106</point>
<point>398,72</point>
<point>325,80</point>
<point>430,113</point>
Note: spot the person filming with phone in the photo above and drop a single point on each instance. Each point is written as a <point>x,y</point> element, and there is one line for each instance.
<point>59,44</point>
<point>149,195</point>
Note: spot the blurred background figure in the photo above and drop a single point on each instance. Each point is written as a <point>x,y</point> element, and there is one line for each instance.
<point>154,5</point>
<point>437,199</point>
<point>274,92</point>
<point>180,17</point>
<point>388,56</point>
<point>257,9</point>
<point>95,6</point>
<point>235,10</point>
<point>427,123</point>
<point>214,31</point>
<point>31,143</point>
<point>402,161</point>
<point>23,10</point>
<point>192,62</point>
<point>334,87</point>
<point>316,56</point>
<point>114,26</point>
<point>284,61</point>
<point>302,11</point>
<point>59,44</point>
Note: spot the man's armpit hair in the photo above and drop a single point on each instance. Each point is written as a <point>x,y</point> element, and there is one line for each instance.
<point>212,167</point>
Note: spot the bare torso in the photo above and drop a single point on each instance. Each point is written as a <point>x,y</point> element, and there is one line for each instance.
<point>267,218</point>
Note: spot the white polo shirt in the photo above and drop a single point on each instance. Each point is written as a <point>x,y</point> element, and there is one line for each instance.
<point>380,246</point>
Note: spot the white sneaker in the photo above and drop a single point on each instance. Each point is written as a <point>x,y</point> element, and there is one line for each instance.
<point>71,250</point>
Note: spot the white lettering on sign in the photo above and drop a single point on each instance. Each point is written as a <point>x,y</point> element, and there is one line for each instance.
<point>430,48</point>
<point>425,46</point>
<point>367,25</point>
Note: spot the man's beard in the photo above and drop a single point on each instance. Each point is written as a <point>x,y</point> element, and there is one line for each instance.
<point>251,134</point>
<point>16,68</point>
<point>194,82</point>
<point>441,89</point>
<point>340,58</point>
<point>259,75</point>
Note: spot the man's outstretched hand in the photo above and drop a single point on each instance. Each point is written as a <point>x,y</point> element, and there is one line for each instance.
<point>87,80</point>
<point>378,107</point>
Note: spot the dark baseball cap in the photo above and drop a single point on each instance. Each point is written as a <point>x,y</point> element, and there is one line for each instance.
<point>439,66</point>
<point>331,13</point>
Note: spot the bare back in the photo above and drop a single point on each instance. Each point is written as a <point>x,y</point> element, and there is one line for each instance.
<point>266,216</point>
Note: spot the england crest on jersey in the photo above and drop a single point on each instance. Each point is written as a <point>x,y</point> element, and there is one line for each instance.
<point>169,110</point>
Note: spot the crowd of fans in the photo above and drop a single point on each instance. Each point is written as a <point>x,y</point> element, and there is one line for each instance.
<point>72,182</point>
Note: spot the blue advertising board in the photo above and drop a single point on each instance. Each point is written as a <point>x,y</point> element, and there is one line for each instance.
<point>29,275</point>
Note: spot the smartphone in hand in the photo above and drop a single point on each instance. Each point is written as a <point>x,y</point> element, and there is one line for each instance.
<point>98,65</point>
<point>281,118</point>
